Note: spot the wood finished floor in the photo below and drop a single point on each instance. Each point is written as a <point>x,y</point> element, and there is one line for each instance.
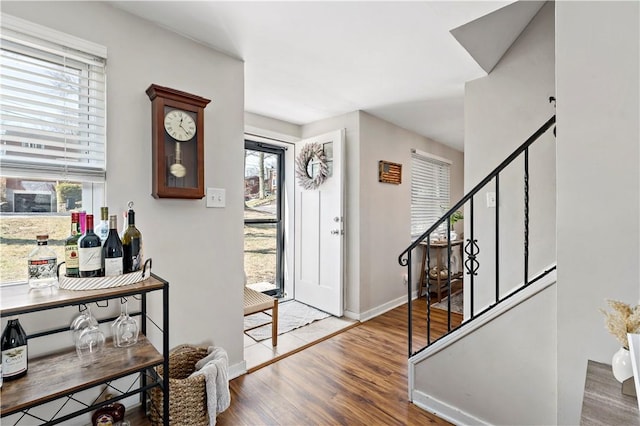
<point>358,377</point>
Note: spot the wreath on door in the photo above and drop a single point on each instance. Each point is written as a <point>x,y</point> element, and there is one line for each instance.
<point>311,166</point>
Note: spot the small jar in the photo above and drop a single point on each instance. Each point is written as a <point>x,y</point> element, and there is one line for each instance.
<point>41,264</point>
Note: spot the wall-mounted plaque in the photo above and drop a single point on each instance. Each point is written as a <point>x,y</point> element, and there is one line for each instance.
<point>389,172</point>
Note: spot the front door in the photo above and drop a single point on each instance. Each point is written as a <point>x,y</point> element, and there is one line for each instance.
<point>319,225</point>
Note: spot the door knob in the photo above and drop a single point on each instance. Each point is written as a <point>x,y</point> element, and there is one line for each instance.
<point>335,232</point>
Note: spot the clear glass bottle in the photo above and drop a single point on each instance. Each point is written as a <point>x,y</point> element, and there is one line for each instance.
<point>102,228</point>
<point>41,264</point>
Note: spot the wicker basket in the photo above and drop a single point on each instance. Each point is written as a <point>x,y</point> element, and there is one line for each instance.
<point>187,396</point>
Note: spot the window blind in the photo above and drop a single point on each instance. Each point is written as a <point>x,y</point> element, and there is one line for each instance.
<point>429,191</point>
<point>52,104</point>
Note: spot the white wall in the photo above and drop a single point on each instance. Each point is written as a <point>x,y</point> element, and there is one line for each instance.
<point>597,57</point>
<point>378,215</point>
<point>385,209</point>
<point>501,111</point>
<point>489,375</point>
<point>198,250</point>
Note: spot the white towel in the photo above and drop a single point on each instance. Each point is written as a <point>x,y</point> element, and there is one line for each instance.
<point>214,368</point>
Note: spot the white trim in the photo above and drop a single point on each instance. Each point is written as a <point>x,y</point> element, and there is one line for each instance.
<point>237,370</point>
<point>444,410</point>
<point>17,24</point>
<point>494,313</point>
<point>257,134</point>
<point>431,156</point>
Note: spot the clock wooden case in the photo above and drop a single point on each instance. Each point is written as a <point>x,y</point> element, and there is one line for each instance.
<point>177,120</point>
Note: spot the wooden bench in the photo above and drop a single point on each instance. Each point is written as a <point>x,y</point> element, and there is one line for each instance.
<point>254,302</point>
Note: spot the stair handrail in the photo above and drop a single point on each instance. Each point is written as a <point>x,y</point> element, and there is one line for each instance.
<point>404,261</point>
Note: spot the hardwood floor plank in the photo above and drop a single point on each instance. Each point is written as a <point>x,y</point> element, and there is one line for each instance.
<point>358,377</point>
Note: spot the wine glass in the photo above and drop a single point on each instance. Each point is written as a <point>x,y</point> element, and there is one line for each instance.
<point>83,320</point>
<point>90,345</point>
<point>114,325</point>
<point>126,329</point>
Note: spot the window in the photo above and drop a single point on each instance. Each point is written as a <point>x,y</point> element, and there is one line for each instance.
<point>52,137</point>
<point>429,190</point>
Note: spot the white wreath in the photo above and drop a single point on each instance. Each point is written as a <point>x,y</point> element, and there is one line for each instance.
<point>309,151</point>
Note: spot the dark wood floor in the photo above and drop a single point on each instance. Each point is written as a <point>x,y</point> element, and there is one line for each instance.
<point>358,377</point>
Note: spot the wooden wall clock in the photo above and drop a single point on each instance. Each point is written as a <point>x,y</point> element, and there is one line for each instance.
<point>177,120</point>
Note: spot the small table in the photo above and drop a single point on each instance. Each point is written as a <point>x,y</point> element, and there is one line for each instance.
<point>603,401</point>
<point>440,282</point>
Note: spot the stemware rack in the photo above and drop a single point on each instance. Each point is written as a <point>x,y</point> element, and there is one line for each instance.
<point>59,376</point>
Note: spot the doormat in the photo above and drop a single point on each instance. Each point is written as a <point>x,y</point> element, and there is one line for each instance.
<point>457,304</point>
<point>291,315</point>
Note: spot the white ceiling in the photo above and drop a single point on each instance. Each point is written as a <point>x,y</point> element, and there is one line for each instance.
<point>306,61</point>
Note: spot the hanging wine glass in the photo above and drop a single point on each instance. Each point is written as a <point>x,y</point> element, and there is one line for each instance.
<point>114,325</point>
<point>83,320</point>
<point>126,330</point>
<point>90,345</point>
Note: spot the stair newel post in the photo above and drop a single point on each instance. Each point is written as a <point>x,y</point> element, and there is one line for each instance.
<point>409,302</point>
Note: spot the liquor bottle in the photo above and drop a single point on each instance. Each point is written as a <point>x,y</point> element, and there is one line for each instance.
<point>14,350</point>
<point>110,414</point>
<point>90,252</point>
<point>132,244</point>
<point>41,264</point>
<point>112,253</point>
<point>102,228</point>
<point>83,222</point>
<point>71,247</point>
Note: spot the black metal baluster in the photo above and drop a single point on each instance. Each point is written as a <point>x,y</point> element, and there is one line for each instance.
<point>526,216</point>
<point>448,273</point>
<point>410,319</point>
<point>497,237</point>
<point>428,290</point>
<point>472,258</point>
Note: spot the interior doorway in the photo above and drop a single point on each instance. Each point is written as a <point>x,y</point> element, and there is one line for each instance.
<point>264,217</point>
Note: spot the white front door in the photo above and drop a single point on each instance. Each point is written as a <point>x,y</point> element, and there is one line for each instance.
<point>319,230</point>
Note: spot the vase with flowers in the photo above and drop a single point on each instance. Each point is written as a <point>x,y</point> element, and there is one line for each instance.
<point>622,320</point>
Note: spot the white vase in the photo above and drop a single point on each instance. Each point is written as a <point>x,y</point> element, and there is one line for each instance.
<point>621,365</point>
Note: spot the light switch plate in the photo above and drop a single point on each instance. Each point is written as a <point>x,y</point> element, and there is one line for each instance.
<point>216,197</point>
<point>491,199</point>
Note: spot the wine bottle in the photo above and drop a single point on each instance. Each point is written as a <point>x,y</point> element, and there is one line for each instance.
<point>132,244</point>
<point>14,350</point>
<point>102,228</point>
<point>71,247</point>
<point>41,264</point>
<point>90,252</point>
<point>112,253</point>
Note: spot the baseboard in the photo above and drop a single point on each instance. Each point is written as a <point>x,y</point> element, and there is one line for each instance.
<point>237,370</point>
<point>444,410</point>
<point>385,307</point>
<point>379,310</point>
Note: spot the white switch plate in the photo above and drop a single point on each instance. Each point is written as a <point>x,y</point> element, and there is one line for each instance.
<point>216,197</point>
<point>491,199</point>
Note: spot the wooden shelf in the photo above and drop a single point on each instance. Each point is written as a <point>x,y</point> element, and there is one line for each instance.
<point>21,299</point>
<point>53,376</point>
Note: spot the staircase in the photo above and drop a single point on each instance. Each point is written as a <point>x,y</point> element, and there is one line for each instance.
<point>472,247</point>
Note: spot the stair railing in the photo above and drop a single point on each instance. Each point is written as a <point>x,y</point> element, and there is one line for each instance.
<point>471,247</point>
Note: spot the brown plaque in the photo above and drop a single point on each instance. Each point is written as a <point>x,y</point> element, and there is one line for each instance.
<point>389,172</point>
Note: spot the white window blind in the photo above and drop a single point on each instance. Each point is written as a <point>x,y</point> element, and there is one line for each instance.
<point>429,191</point>
<point>52,104</point>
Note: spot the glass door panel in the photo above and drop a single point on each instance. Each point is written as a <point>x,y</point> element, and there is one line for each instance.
<point>263,232</point>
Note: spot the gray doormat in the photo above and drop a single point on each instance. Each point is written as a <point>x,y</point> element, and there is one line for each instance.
<point>291,315</point>
<point>456,303</point>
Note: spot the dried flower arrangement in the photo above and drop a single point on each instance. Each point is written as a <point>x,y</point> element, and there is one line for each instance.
<point>624,319</point>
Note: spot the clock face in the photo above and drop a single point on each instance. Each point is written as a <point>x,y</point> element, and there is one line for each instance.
<point>179,125</point>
